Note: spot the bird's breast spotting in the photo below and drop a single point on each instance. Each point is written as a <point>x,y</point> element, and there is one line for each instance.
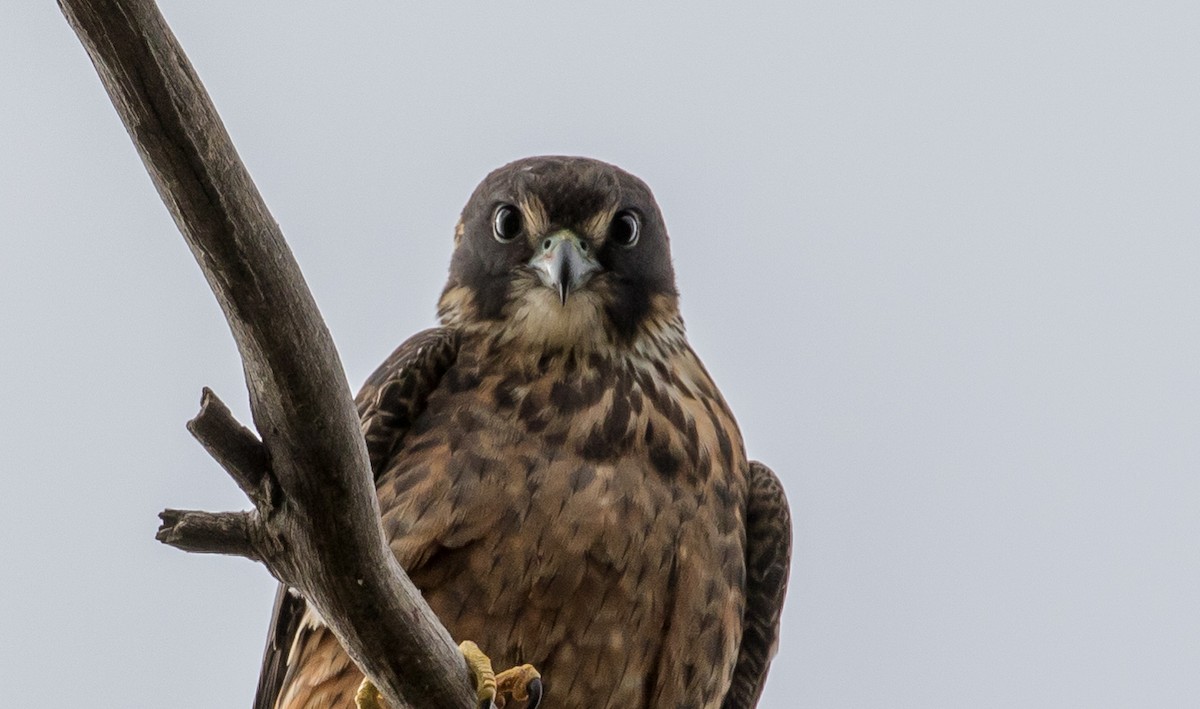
<point>540,496</point>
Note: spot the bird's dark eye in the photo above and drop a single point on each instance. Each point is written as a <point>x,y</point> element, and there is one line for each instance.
<point>625,229</point>
<point>506,224</point>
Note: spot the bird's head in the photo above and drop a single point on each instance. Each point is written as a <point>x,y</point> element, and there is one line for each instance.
<point>555,252</point>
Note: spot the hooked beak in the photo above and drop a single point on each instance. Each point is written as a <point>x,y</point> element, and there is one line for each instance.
<point>564,263</point>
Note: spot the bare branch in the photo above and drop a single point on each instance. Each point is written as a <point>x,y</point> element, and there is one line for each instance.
<point>232,445</point>
<point>328,521</point>
<point>208,532</point>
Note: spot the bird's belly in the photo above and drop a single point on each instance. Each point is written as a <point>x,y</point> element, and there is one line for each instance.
<point>569,571</point>
<point>593,633</point>
<point>622,585</point>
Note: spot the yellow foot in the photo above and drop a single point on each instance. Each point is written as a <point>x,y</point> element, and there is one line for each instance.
<point>368,696</point>
<point>522,683</point>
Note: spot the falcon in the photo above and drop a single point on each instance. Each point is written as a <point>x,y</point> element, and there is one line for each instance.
<point>557,472</point>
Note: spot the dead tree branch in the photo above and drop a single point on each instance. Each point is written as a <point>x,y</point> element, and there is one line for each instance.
<point>316,519</point>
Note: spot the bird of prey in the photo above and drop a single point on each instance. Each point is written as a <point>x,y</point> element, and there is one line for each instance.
<point>556,470</point>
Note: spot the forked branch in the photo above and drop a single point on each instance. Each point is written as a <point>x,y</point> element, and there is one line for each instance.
<point>316,519</point>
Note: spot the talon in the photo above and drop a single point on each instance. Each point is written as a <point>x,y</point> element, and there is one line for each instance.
<point>534,690</point>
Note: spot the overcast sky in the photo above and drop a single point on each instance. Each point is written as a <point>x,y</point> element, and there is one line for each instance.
<point>942,258</point>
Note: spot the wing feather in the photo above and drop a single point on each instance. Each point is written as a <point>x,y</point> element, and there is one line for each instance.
<point>388,403</point>
<point>768,557</point>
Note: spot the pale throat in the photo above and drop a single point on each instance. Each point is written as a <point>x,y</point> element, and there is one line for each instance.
<point>535,319</point>
<point>538,319</point>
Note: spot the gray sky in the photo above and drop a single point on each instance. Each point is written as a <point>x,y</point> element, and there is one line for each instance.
<point>942,258</point>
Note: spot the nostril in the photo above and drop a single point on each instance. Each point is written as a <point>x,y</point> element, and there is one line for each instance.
<point>583,246</point>
<point>547,244</point>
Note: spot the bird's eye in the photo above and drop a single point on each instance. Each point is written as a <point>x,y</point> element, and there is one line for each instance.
<point>625,229</point>
<point>506,224</point>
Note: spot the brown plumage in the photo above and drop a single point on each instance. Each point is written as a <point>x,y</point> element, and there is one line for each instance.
<point>556,470</point>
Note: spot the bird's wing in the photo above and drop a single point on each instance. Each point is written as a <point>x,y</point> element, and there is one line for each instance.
<point>388,403</point>
<point>768,556</point>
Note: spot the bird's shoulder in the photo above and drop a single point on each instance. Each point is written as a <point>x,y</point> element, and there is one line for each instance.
<point>396,393</point>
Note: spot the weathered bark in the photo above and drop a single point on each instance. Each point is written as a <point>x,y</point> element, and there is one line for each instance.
<point>315,523</point>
